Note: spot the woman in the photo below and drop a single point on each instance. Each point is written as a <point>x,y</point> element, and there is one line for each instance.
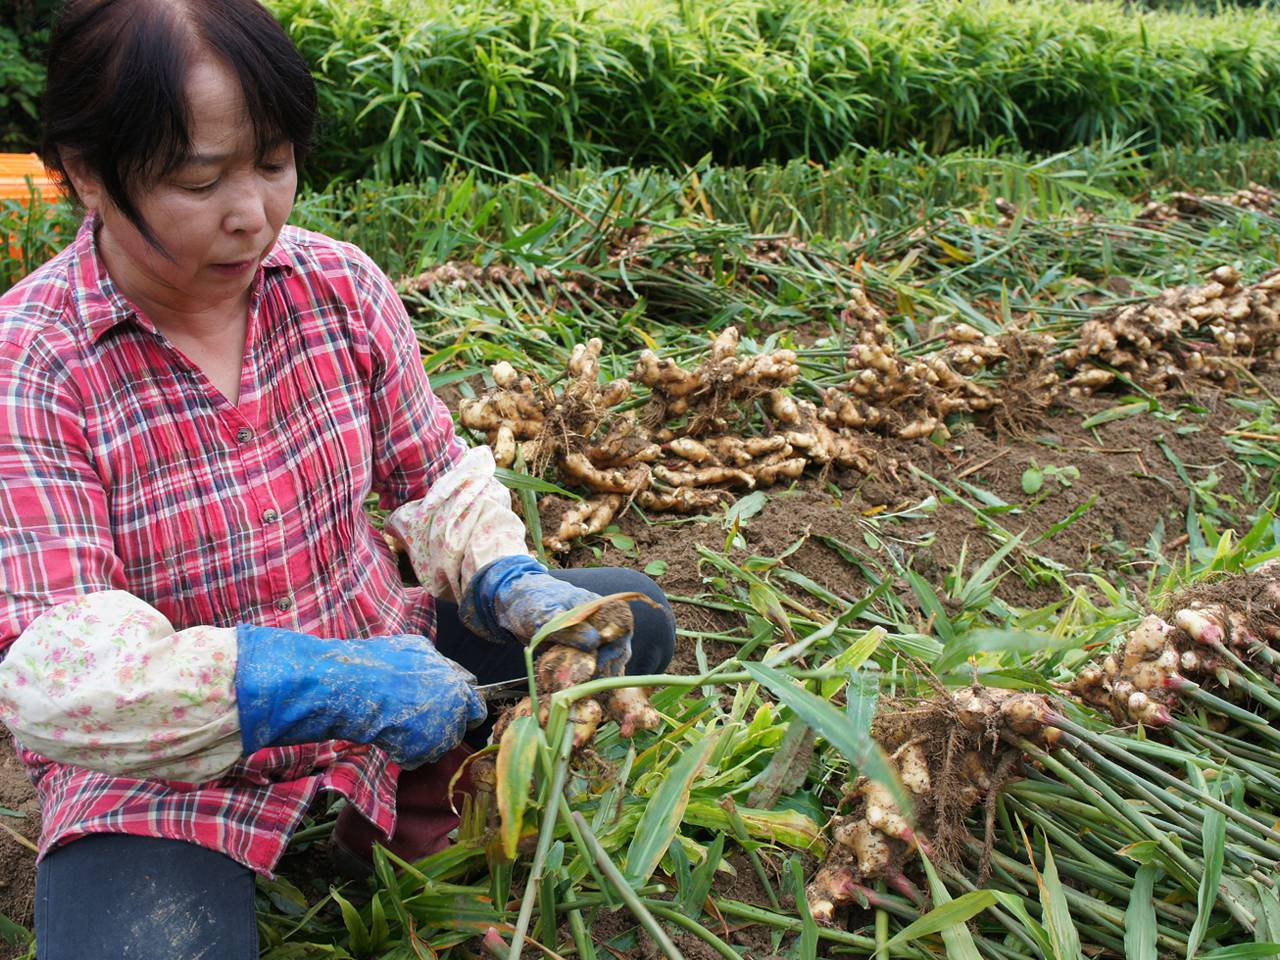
<point>203,628</point>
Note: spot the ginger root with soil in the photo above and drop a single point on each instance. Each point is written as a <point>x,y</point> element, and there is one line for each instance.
<point>950,755</point>
<point>692,464</point>
<point>558,668</point>
<point>1211,331</point>
<point>909,397</point>
<point>955,752</point>
<point>695,444</point>
<point>1223,635</point>
<point>1184,205</point>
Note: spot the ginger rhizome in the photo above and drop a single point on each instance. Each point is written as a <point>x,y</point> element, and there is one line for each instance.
<point>1209,331</point>
<point>688,436</point>
<point>1215,651</point>
<point>950,753</point>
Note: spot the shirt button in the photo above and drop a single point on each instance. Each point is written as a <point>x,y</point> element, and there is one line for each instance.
<point>270,515</point>
<point>284,604</point>
<point>244,435</point>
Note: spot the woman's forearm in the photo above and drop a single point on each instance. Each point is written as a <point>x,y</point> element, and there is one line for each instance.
<point>105,682</point>
<point>463,523</point>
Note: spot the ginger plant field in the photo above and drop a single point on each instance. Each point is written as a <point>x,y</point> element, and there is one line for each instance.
<point>960,473</point>
<point>929,499</point>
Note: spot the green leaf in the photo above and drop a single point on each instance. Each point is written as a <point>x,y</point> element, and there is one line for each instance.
<point>656,568</point>
<point>385,874</point>
<point>1071,518</point>
<point>1117,413</point>
<point>744,509</point>
<point>12,933</point>
<point>957,911</point>
<point>517,754</point>
<point>358,933</point>
<point>849,733</point>
<point>1213,835</point>
<point>379,931</point>
<point>788,766</point>
<point>956,936</point>
<point>663,813</point>
<point>764,599</point>
<point>1268,928</point>
<point>1032,480</point>
<point>1142,851</point>
<point>1243,951</point>
<point>702,878</point>
<point>1140,917</point>
<point>287,898</point>
<point>1002,640</point>
<point>807,948</point>
<point>1015,905</point>
<point>931,605</point>
<point>1057,913</point>
<point>854,656</point>
<point>622,542</point>
<point>514,480</point>
<point>783,825</point>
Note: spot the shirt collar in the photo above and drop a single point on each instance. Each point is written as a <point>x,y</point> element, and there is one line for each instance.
<point>99,301</point>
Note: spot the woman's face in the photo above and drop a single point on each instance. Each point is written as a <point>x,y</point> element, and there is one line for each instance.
<point>217,215</point>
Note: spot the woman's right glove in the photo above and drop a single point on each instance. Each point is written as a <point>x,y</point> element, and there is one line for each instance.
<point>396,692</point>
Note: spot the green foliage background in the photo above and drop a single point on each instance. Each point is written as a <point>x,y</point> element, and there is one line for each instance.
<point>538,84</point>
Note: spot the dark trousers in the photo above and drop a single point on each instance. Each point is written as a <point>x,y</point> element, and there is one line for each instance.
<point>114,895</point>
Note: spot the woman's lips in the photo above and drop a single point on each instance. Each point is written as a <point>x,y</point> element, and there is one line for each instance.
<point>233,269</point>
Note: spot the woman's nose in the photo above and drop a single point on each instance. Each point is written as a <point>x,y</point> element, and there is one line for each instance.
<point>248,210</point>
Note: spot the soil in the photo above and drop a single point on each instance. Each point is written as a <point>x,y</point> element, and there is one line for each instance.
<point>17,862</point>
<point>1125,462</point>
<point>737,882</point>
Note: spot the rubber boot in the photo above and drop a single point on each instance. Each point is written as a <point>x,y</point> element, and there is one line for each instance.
<point>424,817</point>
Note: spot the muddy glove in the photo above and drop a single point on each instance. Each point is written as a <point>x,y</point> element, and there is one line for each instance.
<point>398,693</point>
<point>510,600</point>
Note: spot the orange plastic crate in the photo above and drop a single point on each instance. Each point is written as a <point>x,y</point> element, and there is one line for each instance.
<point>15,168</point>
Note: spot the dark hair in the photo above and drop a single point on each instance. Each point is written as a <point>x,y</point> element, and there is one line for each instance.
<point>116,86</point>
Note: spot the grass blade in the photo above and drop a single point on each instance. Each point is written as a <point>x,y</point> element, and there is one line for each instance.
<point>626,891</point>
<point>852,739</point>
<point>1213,837</point>
<point>1057,913</point>
<point>955,936</point>
<point>944,915</point>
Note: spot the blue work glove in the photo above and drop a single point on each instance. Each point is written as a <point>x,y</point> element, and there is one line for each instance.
<point>398,693</point>
<point>510,599</point>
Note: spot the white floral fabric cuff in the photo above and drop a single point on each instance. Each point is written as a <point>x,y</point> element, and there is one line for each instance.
<point>463,523</point>
<point>105,682</point>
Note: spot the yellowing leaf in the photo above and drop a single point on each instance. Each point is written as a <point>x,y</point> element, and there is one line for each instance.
<point>517,754</point>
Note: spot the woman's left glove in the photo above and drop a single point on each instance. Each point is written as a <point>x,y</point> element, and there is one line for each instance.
<point>397,692</point>
<point>512,598</point>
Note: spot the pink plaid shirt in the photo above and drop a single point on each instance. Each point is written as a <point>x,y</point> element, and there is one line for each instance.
<point>123,468</point>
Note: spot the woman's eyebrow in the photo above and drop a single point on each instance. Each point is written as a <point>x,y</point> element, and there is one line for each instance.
<point>204,159</point>
<point>212,159</point>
